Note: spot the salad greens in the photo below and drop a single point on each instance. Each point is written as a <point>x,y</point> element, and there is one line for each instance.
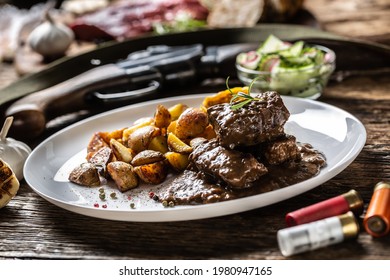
<point>290,68</point>
<point>274,54</point>
<point>181,23</point>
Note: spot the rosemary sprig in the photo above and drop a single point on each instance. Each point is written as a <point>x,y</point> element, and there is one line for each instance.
<point>245,98</point>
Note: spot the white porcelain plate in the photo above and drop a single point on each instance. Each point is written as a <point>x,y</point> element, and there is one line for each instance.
<point>338,134</point>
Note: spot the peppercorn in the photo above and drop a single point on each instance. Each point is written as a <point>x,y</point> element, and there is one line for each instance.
<point>171,204</point>
<point>151,195</point>
<point>155,198</point>
<point>101,190</point>
<point>102,196</point>
<point>132,205</point>
<point>165,203</point>
<point>113,195</point>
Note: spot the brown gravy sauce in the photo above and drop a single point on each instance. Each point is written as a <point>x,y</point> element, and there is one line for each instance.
<point>192,188</point>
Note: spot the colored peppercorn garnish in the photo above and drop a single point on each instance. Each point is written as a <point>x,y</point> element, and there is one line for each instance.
<point>132,205</point>
<point>102,196</point>
<point>171,204</point>
<point>113,195</point>
<point>151,195</point>
<point>155,198</point>
<point>165,203</point>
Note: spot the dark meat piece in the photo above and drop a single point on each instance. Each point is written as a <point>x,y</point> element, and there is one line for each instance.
<point>85,174</point>
<point>238,170</point>
<point>191,188</point>
<point>282,150</point>
<point>310,155</point>
<point>258,121</point>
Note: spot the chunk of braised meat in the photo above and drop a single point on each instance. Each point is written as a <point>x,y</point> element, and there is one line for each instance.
<point>236,169</point>
<point>85,174</point>
<point>190,187</point>
<point>258,121</point>
<point>282,150</point>
<point>312,155</point>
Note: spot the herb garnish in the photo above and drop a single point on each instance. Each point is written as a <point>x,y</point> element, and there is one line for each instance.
<point>245,98</point>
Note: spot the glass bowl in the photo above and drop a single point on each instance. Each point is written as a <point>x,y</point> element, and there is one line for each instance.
<point>308,82</point>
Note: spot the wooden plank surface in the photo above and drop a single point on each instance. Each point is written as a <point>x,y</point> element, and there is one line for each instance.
<point>42,230</point>
<point>32,228</point>
<point>368,20</point>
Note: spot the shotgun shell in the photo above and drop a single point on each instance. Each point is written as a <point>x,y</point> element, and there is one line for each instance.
<point>350,201</point>
<point>377,218</point>
<point>318,234</point>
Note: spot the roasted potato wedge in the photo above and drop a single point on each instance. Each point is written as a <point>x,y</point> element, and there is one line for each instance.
<point>153,173</point>
<point>192,122</point>
<point>222,96</point>
<point>159,143</point>
<point>208,133</point>
<point>172,127</point>
<point>197,141</point>
<point>176,110</point>
<point>123,175</point>
<point>95,144</point>
<point>178,161</point>
<point>162,117</point>
<point>101,158</point>
<point>146,157</point>
<point>140,139</point>
<point>137,125</point>
<point>121,152</point>
<point>115,134</point>
<point>177,145</point>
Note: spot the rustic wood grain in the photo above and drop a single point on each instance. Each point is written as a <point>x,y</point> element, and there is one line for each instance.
<point>32,228</point>
<point>369,20</point>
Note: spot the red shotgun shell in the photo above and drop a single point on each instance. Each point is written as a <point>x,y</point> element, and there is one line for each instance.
<point>377,218</point>
<point>350,201</point>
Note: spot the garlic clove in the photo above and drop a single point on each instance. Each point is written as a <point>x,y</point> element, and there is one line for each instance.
<point>12,151</point>
<point>9,184</point>
<point>50,38</point>
<point>15,155</point>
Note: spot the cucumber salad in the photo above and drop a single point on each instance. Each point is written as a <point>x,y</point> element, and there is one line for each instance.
<point>294,69</point>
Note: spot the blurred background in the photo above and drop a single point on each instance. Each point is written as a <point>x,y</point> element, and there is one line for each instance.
<point>93,22</point>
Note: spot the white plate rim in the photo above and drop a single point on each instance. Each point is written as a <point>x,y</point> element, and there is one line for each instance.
<point>199,211</point>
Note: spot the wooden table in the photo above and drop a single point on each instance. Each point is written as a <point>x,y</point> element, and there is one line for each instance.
<point>32,228</point>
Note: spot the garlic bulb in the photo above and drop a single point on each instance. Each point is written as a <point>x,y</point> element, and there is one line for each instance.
<point>13,152</point>
<point>50,39</point>
<point>9,184</point>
